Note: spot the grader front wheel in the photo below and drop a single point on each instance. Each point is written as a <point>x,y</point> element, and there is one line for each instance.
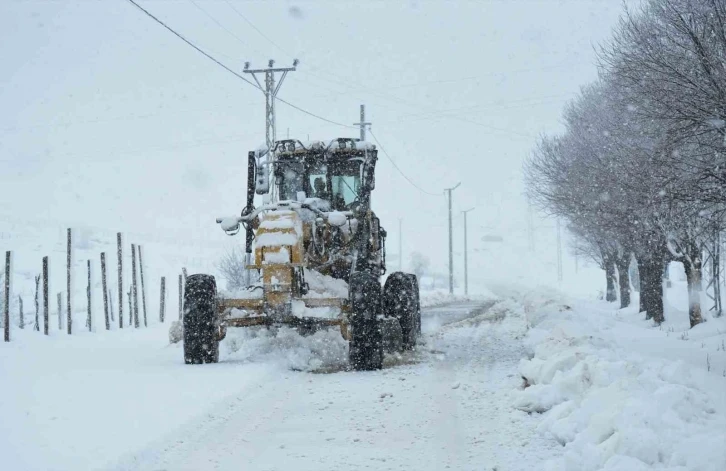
<point>366,345</point>
<point>201,343</point>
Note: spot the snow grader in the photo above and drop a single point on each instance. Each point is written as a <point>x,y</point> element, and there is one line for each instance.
<point>316,253</point>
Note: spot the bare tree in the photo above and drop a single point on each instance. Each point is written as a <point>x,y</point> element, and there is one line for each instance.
<point>232,267</point>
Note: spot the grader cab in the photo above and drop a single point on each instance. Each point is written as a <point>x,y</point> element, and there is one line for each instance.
<point>315,251</point>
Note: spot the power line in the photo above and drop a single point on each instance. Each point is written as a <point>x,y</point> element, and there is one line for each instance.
<point>347,82</point>
<point>192,44</point>
<point>209,15</point>
<point>399,170</point>
<point>313,114</point>
<point>208,56</point>
<point>256,28</point>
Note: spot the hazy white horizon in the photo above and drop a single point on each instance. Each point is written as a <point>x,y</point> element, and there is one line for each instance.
<point>111,121</point>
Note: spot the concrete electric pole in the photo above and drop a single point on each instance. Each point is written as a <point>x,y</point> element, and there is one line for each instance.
<point>362,123</point>
<point>270,90</point>
<point>451,242</point>
<point>466,256</point>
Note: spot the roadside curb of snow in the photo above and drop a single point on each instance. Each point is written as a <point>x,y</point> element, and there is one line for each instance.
<point>615,408</point>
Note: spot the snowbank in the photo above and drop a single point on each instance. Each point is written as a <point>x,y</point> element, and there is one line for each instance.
<point>440,297</point>
<point>621,394</point>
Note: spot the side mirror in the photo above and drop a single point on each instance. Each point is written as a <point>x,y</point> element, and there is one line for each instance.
<point>229,225</point>
<point>369,177</point>
<point>262,182</point>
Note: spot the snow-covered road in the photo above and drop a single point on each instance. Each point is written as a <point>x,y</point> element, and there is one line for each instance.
<point>446,407</point>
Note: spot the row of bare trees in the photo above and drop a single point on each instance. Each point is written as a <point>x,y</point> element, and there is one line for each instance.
<point>640,170</point>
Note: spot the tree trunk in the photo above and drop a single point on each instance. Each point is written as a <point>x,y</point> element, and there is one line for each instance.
<point>610,294</point>
<point>692,266</point>
<point>651,289</point>
<point>623,263</point>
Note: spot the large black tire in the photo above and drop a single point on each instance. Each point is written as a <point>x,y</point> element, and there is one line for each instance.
<point>201,343</point>
<point>413,279</point>
<point>400,301</point>
<point>391,335</point>
<point>366,345</point>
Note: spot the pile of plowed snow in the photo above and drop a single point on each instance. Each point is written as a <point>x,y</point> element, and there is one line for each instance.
<point>323,350</point>
<point>619,393</point>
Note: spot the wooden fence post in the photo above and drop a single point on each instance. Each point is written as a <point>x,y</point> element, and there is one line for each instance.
<point>143,291</point>
<point>69,320</point>
<point>180,297</point>
<point>88,296</point>
<point>105,291</point>
<point>110,305</point>
<point>45,296</point>
<point>134,289</point>
<point>37,303</point>
<point>163,299</point>
<point>22,315</point>
<point>6,313</point>
<point>130,308</point>
<point>119,254</point>
<point>60,310</point>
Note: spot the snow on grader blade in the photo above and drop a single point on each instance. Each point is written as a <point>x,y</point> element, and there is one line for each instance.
<point>315,253</point>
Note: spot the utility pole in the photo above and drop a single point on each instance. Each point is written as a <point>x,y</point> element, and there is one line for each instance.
<point>451,242</point>
<point>559,252</point>
<point>466,256</point>
<point>362,123</point>
<point>400,245</point>
<point>270,91</point>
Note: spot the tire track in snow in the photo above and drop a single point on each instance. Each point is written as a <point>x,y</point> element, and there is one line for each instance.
<point>451,410</point>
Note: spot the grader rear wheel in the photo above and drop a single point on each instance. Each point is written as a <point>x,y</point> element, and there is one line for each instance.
<point>366,345</point>
<point>400,300</point>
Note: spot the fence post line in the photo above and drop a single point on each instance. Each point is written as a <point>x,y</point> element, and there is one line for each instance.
<point>143,291</point>
<point>69,320</point>
<point>180,297</point>
<point>6,313</point>
<point>88,296</point>
<point>163,299</point>
<point>134,288</point>
<point>45,296</point>
<point>119,254</point>
<point>60,310</point>
<point>105,290</point>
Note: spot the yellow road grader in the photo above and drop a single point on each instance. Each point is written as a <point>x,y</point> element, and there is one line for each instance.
<point>317,252</point>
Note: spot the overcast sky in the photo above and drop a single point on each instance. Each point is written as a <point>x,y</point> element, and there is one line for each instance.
<point>109,120</point>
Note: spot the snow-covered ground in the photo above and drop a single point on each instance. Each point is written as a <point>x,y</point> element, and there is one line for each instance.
<point>604,390</point>
<point>125,400</point>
